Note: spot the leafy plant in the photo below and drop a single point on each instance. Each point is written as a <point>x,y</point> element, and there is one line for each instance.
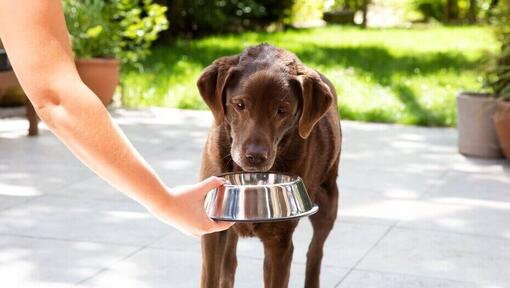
<point>500,75</point>
<point>124,29</point>
<point>430,9</point>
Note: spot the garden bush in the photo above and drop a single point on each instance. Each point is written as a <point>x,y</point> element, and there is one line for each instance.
<point>500,74</point>
<point>436,9</point>
<point>200,17</point>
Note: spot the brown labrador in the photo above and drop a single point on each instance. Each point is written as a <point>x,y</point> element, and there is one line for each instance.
<point>271,113</point>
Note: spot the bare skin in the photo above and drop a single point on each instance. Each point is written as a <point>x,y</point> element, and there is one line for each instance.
<point>35,36</point>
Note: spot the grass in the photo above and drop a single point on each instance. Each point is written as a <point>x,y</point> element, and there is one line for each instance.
<point>407,76</point>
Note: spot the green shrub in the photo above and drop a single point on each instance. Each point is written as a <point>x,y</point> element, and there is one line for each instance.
<point>435,9</point>
<point>124,29</point>
<point>352,5</point>
<point>201,17</point>
<point>430,9</point>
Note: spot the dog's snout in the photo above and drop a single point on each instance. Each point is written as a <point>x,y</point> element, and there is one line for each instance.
<point>256,154</point>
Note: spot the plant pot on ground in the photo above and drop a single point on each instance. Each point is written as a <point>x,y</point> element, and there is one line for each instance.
<point>105,34</point>
<point>476,132</point>
<point>502,123</point>
<point>339,16</point>
<point>101,75</point>
<point>502,89</point>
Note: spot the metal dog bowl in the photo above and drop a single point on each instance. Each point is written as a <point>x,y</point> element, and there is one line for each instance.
<point>259,197</point>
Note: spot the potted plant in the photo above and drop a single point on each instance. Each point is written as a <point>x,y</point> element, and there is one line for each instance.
<point>106,34</point>
<point>475,111</point>
<point>501,83</point>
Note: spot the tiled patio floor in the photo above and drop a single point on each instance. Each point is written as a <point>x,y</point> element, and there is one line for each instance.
<point>414,213</point>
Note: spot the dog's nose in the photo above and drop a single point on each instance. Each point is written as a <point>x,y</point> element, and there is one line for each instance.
<point>256,154</point>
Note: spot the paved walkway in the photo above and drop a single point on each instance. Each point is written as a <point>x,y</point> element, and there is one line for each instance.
<point>414,213</point>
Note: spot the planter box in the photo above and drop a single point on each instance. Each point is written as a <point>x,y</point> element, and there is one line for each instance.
<point>477,134</point>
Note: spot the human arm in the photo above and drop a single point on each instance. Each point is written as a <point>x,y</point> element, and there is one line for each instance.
<point>36,39</point>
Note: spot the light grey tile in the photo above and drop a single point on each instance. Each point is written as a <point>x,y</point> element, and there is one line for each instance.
<point>346,244</point>
<point>160,268</point>
<point>441,255</point>
<point>120,222</point>
<point>31,262</point>
<point>91,188</point>
<point>7,201</point>
<point>151,268</point>
<point>371,279</point>
<point>476,203</point>
<point>178,241</point>
<point>250,274</point>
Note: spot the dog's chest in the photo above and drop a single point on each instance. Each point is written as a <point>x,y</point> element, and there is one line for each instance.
<point>244,229</point>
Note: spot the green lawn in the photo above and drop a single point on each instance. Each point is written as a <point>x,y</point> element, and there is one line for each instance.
<point>408,76</point>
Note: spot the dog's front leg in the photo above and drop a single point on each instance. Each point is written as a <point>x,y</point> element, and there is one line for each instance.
<point>229,262</point>
<point>322,223</point>
<point>213,251</point>
<point>278,249</point>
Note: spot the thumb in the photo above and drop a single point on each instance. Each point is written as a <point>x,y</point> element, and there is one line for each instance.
<point>209,184</point>
<point>217,226</point>
<point>223,225</point>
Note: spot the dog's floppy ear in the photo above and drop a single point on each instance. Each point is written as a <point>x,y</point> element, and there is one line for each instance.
<point>211,85</point>
<point>316,99</point>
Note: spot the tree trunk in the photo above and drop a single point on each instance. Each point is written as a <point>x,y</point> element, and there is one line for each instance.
<point>472,11</point>
<point>365,12</point>
<point>451,10</point>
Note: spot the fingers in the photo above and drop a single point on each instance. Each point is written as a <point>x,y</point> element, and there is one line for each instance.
<point>209,184</point>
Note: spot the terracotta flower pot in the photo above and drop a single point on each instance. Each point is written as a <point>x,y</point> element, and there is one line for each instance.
<point>101,75</point>
<point>502,123</point>
<point>477,134</point>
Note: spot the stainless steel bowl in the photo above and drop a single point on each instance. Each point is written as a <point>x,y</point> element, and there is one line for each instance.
<point>259,197</point>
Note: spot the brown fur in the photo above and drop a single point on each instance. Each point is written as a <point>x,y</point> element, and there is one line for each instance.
<point>304,140</point>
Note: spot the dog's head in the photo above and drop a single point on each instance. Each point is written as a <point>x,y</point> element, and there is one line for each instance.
<point>261,102</point>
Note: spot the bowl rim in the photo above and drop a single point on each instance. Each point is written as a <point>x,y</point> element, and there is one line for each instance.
<point>313,210</point>
<point>297,178</point>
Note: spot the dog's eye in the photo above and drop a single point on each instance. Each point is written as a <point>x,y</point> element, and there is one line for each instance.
<point>281,111</point>
<point>239,106</point>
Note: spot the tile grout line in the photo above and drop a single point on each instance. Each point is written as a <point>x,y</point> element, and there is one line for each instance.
<point>68,240</point>
<point>467,234</point>
<point>366,254</point>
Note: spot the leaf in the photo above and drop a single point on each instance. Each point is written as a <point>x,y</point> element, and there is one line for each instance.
<point>93,32</point>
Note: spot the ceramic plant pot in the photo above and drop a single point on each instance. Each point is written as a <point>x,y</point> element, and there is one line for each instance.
<point>101,75</point>
<point>502,124</point>
<point>477,134</point>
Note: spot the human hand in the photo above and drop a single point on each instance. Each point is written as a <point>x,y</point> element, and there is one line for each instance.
<point>184,208</point>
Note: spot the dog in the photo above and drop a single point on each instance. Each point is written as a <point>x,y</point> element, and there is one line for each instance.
<point>271,113</point>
